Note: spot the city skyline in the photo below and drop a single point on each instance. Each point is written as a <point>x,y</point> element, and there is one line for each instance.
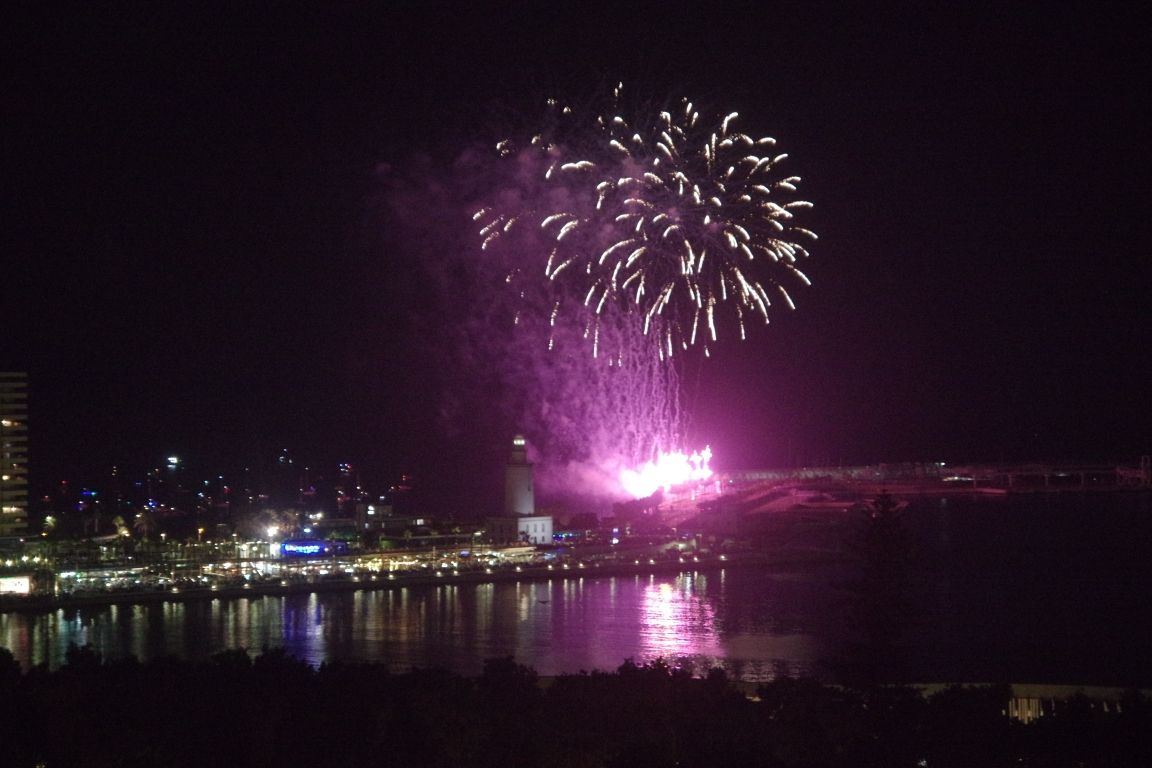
<point>207,261</point>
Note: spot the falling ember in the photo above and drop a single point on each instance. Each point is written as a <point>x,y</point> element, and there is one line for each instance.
<point>668,471</point>
<point>644,202</point>
<point>640,235</point>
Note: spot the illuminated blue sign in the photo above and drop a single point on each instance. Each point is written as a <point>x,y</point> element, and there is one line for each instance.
<point>312,548</point>
<point>290,548</point>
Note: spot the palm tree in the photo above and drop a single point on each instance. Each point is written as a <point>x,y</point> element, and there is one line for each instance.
<point>144,523</point>
<point>121,526</point>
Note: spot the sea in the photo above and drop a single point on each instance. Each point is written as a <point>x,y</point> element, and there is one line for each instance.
<point>1026,588</point>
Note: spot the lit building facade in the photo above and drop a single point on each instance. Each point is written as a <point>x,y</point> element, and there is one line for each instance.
<point>13,453</point>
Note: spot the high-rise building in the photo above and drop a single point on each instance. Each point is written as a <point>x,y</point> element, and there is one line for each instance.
<point>13,453</point>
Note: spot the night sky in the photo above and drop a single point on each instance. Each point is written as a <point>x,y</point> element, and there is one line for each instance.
<point>197,261</point>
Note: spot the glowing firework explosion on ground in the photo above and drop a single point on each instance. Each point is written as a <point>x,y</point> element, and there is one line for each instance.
<point>668,470</point>
<point>640,238</point>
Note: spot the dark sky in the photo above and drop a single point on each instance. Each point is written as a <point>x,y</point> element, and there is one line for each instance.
<point>194,261</point>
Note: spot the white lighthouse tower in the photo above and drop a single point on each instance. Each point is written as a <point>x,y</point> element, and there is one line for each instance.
<point>519,523</point>
<point>518,496</point>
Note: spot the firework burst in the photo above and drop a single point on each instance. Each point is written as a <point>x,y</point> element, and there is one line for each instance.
<point>641,233</point>
<point>685,225</point>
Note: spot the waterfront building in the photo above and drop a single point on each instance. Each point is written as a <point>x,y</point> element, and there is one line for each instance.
<point>13,453</point>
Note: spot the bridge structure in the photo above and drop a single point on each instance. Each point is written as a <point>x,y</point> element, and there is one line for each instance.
<point>1058,476</point>
<point>936,476</point>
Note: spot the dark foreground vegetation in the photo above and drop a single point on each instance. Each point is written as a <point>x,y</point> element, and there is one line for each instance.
<point>274,710</point>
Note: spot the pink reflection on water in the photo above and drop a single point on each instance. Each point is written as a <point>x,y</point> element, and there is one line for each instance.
<point>676,621</point>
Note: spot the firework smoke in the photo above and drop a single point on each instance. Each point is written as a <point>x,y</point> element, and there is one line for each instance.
<point>614,247</point>
<point>626,241</point>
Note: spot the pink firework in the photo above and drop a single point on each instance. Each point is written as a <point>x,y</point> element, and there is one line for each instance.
<point>636,237</point>
<point>667,471</point>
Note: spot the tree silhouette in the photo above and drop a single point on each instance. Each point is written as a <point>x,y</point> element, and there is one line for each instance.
<point>881,610</point>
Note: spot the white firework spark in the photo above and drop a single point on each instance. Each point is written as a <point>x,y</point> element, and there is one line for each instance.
<point>688,226</point>
<point>639,234</point>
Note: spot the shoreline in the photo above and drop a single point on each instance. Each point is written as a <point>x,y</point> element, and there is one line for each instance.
<point>46,603</point>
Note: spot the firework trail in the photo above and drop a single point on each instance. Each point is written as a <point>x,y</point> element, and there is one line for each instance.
<point>594,417</point>
<point>658,216</point>
<point>635,237</point>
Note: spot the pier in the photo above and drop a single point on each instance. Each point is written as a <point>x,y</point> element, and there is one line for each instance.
<point>935,477</point>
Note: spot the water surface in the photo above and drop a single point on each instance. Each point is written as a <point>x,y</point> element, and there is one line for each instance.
<point>1030,588</point>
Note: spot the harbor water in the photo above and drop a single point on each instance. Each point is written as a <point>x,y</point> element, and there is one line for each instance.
<point>1047,588</point>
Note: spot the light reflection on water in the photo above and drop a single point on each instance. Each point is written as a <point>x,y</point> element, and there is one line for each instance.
<point>560,626</point>
<point>1037,587</point>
